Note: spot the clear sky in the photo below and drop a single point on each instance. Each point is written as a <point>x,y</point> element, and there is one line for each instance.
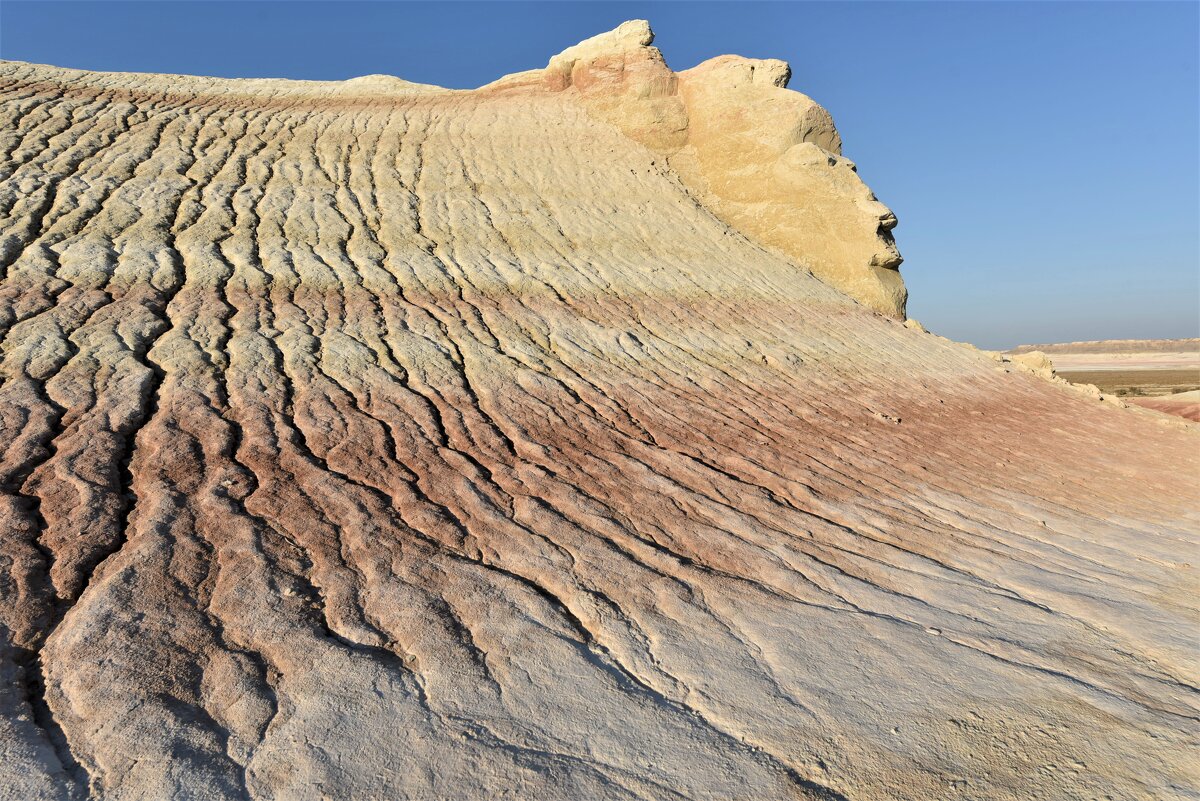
<point>1042,157</point>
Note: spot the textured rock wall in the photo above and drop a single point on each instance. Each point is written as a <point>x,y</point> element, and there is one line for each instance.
<point>763,159</point>
<point>370,440</point>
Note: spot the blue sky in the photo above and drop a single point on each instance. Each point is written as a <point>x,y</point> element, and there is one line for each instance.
<point>1042,157</point>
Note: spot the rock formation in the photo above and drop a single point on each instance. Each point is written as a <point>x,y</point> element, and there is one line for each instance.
<point>372,440</point>
<point>761,158</point>
<point>1180,404</point>
<point>1159,374</point>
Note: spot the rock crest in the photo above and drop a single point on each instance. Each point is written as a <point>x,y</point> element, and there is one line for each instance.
<point>764,159</point>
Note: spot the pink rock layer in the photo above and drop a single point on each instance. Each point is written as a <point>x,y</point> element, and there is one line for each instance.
<point>1181,404</point>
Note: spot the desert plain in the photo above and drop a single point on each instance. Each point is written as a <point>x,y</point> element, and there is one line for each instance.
<point>1159,374</point>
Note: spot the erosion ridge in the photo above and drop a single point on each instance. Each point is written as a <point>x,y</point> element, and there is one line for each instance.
<point>370,439</point>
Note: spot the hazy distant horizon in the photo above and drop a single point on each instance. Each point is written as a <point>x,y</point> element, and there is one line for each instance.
<point>1041,157</point>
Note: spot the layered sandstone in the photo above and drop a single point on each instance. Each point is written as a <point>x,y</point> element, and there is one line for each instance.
<point>373,440</point>
<point>759,157</point>
<point>1180,404</point>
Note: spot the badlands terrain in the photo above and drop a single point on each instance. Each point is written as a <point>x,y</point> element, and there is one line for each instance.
<point>1159,374</point>
<point>560,439</point>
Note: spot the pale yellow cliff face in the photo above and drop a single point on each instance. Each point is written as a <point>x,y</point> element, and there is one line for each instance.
<point>765,159</point>
<point>762,158</point>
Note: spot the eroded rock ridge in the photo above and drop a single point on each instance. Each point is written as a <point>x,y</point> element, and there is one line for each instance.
<point>374,440</point>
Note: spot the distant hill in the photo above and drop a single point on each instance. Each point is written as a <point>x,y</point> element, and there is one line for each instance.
<point>1117,346</point>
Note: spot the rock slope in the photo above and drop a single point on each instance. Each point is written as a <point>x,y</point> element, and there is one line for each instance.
<point>1180,404</point>
<point>372,440</point>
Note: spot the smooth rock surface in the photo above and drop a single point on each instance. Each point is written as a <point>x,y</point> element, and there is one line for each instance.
<point>371,440</point>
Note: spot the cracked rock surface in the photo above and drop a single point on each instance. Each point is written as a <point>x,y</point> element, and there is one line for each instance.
<point>372,440</point>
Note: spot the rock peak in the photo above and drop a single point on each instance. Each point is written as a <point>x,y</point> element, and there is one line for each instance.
<point>612,50</point>
<point>735,71</point>
<point>764,159</point>
<point>628,35</point>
